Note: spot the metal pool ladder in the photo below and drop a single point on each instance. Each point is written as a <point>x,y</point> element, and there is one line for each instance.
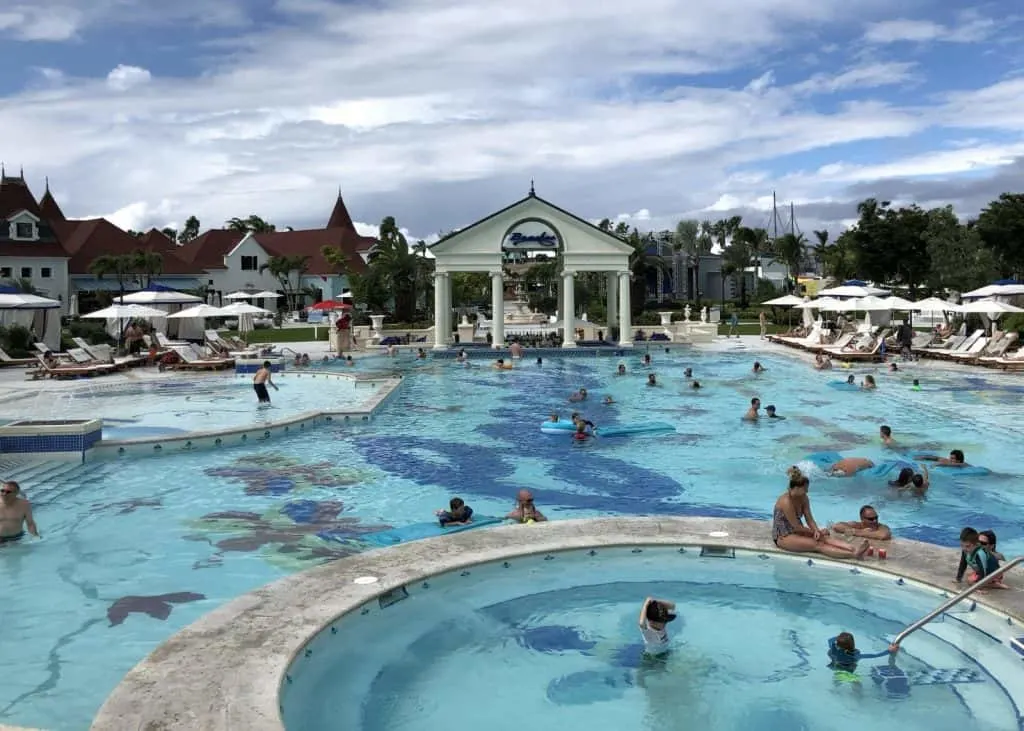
<point>956,599</point>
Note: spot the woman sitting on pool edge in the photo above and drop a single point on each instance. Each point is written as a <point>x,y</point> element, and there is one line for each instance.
<point>789,532</point>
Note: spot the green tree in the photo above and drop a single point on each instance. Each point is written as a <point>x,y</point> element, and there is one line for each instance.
<point>189,231</point>
<point>693,239</point>
<point>251,224</point>
<point>122,267</point>
<point>471,289</point>
<point>789,249</point>
<point>170,233</point>
<point>147,265</point>
<point>288,271</point>
<point>1000,227</point>
<point>401,269</point>
<point>960,262</point>
<point>890,244</point>
<point>21,285</point>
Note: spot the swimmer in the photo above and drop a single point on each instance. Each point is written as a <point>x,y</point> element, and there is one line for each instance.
<point>261,380</point>
<point>578,419</point>
<point>885,434</point>
<point>758,368</point>
<point>392,351</point>
<point>458,513</point>
<point>652,380</point>
<point>326,358</point>
<point>349,361</point>
<point>688,373</point>
<point>822,362</point>
<point>753,413</point>
<point>893,367</point>
<point>955,459</point>
<point>554,418</point>
<point>540,361</point>
<point>976,558</point>
<point>916,482</point>
<point>298,361</point>
<point>654,615</point>
<point>695,385</point>
<point>850,380</point>
<point>526,511</point>
<point>581,432</point>
<point>15,514</point>
<point>580,395</point>
<point>421,354</point>
<point>305,359</point>
<point>868,384</point>
<point>621,371</point>
<point>461,357</point>
<point>916,386</point>
<point>515,349</point>
<point>844,655</point>
<point>849,466</point>
<point>770,413</point>
<point>647,359</point>
<point>501,365</point>
<point>867,527</point>
<point>608,400</point>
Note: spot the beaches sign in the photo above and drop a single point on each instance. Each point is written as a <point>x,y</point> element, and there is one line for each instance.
<point>534,238</point>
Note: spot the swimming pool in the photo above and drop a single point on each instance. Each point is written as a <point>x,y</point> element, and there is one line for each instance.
<point>137,548</point>
<point>177,407</point>
<point>551,642</point>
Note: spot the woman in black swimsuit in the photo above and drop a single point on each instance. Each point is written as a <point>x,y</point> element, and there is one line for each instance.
<point>794,529</point>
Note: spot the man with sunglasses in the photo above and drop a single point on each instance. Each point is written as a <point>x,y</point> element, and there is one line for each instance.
<point>15,514</point>
<point>867,527</point>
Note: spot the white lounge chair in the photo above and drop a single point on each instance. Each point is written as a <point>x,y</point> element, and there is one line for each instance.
<point>7,361</point>
<point>190,360</point>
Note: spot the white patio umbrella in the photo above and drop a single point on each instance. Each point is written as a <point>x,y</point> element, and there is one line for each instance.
<point>992,308</point>
<point>823,302</point>
<point>126,312</point>
<point>871,304</point>
<point>245,312</point>
<point>239,296</point>
<point>267,295</point>
<point>995,290</point>
<point>898,303</point>
<point>153,297</point>
<point>789,300</point>
<point>934,304</point>
<point>198,311</point>
<point>852,290</point>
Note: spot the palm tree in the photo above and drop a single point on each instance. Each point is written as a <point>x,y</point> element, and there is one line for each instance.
<point>687,239</point>
<point>22,286</point>
<point>120,266</point>
<point>282,268</point>
<point>189,231</point>
<point>147,265</point>
<point>789,249</point>
<point>402,269</point>
<point>252,224</point>
<point>821,248</point>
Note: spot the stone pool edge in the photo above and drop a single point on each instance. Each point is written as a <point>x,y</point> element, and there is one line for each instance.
<point>224,671</point>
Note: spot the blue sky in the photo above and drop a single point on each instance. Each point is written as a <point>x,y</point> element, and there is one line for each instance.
<point>441,111</point>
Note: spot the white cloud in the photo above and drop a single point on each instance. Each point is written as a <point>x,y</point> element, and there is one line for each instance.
<point>39,23</point>
<point>969,28</point>
<point>441,111</point>
<point>123,78</point>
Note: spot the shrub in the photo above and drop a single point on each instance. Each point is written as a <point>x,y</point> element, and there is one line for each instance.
<point>17,341</point>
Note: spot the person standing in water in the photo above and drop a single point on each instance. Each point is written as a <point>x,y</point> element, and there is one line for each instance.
<point>15,514</point>
<point>261,380</point>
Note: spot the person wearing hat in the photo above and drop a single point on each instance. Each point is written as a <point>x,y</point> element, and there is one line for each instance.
<point>655,614</point>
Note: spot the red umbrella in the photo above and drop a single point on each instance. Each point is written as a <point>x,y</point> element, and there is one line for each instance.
<point>330,305</point>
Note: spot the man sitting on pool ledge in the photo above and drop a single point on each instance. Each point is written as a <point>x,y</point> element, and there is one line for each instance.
<point>526,511</point>
<point>15,514</point>
<point>867,527</point>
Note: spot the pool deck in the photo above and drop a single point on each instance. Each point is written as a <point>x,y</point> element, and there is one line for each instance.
<point>224,671</point>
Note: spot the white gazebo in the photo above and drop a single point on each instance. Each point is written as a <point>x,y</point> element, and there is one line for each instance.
<point>532,225</point>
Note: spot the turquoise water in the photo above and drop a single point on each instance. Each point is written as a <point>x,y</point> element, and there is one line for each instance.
<point>209,403</point>
<point>554,644</point>
<point>138,548</point>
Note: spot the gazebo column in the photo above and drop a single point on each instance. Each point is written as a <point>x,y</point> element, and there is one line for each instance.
<point>497,309</point>
<point>446,316</point>
<point>569,309</point>
<point>440,340</point>
<point>625,327</point>
<point>612,285</point>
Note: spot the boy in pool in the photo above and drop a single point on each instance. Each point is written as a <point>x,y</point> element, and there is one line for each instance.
<point>655,614</point>
<point>458,513</point>
<point>976,558</point>
<point>843,654</point>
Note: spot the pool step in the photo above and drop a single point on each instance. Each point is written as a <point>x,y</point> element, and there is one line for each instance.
<point>47,482</point>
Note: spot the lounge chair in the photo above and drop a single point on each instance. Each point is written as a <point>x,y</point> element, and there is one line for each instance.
<point>962,347</point>
<point>869,352</point>
<point>975,351</point>
<point>997,352</point>
<point>72,371</point>
<point>225,347</point>
<point>841,342</point>
<point>943,346</point>
<point>190,360</point>
<point>103,353</point>
<point>7,361</point>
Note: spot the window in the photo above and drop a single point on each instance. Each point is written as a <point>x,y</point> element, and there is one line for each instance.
<point>24,231</point>
<point>5,273</point>
<point>249,264</point>
<point>46,273</point>
<point>26,272</point>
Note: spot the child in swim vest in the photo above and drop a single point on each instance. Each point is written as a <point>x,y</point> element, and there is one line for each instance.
<point>916,386</point>
<point>458,513</point>
<point>581,431</point>
<point>843,653</point>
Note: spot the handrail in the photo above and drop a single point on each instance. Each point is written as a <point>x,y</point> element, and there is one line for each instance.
<point>956,599</point>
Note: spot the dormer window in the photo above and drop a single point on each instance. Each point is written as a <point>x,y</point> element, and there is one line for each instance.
<point>23,227</point>
<point>24,230</point>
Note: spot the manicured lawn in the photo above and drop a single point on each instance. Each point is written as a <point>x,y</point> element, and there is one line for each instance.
<point>751,328</point>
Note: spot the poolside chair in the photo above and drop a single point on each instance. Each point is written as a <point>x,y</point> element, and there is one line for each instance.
<point>1011,362</point>
<point>73,371</point>
<point>841,342</point>
<point>223,346</point>
<point>103,353</point>
<point>998,352</point>
<point>190,360</point>
<point>165,342</point>
<point>973,352</point>
<point>7,361</point>
<point>962,347</point>
<point>948,345</point>
<point>871,351</point>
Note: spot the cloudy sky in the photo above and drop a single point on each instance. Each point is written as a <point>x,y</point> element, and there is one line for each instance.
<point>441,111</point>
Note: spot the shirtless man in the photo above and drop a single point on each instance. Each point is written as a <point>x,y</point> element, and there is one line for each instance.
<point>526,511</point>
<point>955,459</point>
<point>849,466</point>
<point>261,380</point>
<point>885,434</point>
<point>15,514</point>
<point>515,349</point>
<point>753,412</point>
<point>867,527</point>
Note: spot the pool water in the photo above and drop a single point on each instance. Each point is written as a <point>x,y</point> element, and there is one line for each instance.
<point>135,549</point>
<point>208,403</point>
<point>554,644</point>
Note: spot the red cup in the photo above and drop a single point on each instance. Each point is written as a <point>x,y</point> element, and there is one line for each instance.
<point>882,554</point>
<point>870,551</point>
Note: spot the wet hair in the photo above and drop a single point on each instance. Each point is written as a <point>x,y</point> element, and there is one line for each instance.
<point>501,361</point>
<point>696,384</point>
<point>770,407</point>
<point>797,479</point>
<point>968,535</point>
<point>757,365</point>
<point>540,361</point>
<point>266,364</point>
<point>658,612</point>
<point>17,488</point>
<point>869,379</point>
<point>886,431</point>
<point>918,480</point>
<point>845,642</point>
<point>865,508</point>
<point>904,478</point>
<point>991,536</point>
<point>916,382</point>
<point>849,378</point>
<point>755,400</point>
<point>456,504</point>
<point>957,455</point>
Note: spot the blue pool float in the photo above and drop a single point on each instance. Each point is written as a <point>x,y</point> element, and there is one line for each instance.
<point>408,533</point>
<point>968,471</point>
<point>625,430</point>
<point>888,468</point>
<point>557,426</point>
<point>844,386</point>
